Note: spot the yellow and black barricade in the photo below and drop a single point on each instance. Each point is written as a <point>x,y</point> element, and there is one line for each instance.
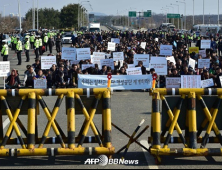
<point>26,102</point>
<point>186,114</point>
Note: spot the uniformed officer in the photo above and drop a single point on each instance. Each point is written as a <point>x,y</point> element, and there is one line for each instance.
<point>46,39</point>
<point>4,51</point>
<point>19,51</point>
<point>32,40</point>
<point>40,46</point>
<point>36,47</point>
<point>27,48</point>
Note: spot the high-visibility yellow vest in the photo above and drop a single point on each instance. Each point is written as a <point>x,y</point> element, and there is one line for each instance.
<point>15,41</point>
<point>5,50</point>
<point>46,39</point>
<point>19,46</point>
<point>32,38</point>
<point>36,44</point>
<point>27,45</point>
<point>40,42</point>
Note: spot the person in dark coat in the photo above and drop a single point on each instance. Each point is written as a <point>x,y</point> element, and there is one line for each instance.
<point>143,69</point>
<point>13,81</point>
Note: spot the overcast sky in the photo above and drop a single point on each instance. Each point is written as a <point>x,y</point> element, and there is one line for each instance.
<point>110,7</point>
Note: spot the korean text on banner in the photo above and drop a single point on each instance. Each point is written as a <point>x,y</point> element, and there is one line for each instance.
<point>204,63</point>
<point>134,71</point>
<point>47,62</point>
<point>160,65</point>
<point>166,50</point>
<point>127,82</point>
<point>108,63</point>
<point>95,59</point>
<point>203,53</point>
<point>115,40</point>
<point>111,46</point>
<point>117,56</point>
<point>74,62</point>
<point>68,53</point>
<point>85,66</point>
<point>131,66</point>
<point>207,83</point>
<point>191,81</point>
<point>83,53</point>
<point>40,84</point>
<point>192,63</point>
<point>4,68</point>
<point>173,82</point>
<point>205,44</point>
<point>145,58</point>
<point>194,50</point>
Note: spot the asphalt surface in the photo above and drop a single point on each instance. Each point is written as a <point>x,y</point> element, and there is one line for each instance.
<point>128,109</point>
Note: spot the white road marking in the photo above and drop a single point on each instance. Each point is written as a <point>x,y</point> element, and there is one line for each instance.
<point>149,158</point>
<point>6,122</point>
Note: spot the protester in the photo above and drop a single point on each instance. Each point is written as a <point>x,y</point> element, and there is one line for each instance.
<point>13,81</point>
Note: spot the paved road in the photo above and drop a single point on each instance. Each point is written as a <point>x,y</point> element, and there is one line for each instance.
<point>128,109</point>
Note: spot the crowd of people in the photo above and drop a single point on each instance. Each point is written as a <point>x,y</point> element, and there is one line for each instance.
<point>65,75</point>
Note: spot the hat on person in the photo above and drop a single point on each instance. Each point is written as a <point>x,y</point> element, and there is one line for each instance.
<point>152,69</point>
<point>4,41</point>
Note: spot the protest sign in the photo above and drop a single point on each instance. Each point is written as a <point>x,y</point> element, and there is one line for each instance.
<point>134,71</point>
<point>175,44</point>
<point>95,59</point>
<point>157,39</point>
<point>203,53</point>
<point>40,84</point>
<point>68,53</point>
<point>127,82</point>
<point>47,62</point>
<point>115,40</point>
<point>111,46</point>
<point>145,58</point>
<point>166,50</point>
<point>4,68</point>
<point>194,50</point>
<point>173,82</point>
<point>171,59</point>
<point>204,63</point>
<point>131,66</point>
<point>85,66</point>
<point>74,62</point>
<point>107,62</point>
<point>205,44</point>
<point>159,64</point>
<point>192,63</point>
<point>143,45</point>
<point>207,83</point>
<point>83,53</point>
<point>117,56</point>
<point>193,81</point>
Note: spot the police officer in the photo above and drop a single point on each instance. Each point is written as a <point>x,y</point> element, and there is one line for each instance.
<point>46,39</point>
<point>32,40</point>
<point>4,51</point>
<point>36,47</point>
<point>40,45</point>
<point>19,50</point>
<point>27,48</point>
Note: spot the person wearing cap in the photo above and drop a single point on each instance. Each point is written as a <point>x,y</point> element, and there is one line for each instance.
<point>46,39</point>
<point>40,45</point>
<point>27,48</point>
<point>4,51</point>
<point>32,40</point>
<point>19,51</point>
<point>36,47</point>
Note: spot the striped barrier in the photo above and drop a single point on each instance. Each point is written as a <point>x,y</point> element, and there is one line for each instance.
<point>186,114</point>
<point>32,145</point>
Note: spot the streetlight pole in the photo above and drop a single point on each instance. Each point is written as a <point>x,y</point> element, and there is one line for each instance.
<point>37,14</point>
<point>185,9</point>
<point>218,12</point>
<point>20,20</point>
<point>173,11</point>
<point>178,13</point>
<point>193,14</point>
<point>33,14</point>
<point>167,9</point>
<point>203,12</point>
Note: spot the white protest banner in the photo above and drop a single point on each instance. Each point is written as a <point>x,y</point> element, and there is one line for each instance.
<point>204,63</point>
<point>143,45</point>
<point>127,82</point>
<point>171,59</point>
<point>95,59</point>
<point>159,64</point>
<point>47,62</point>
<point>145,58</point>
<point>68,53</point>
<point>4,68</point>
<point>115,40</point>
<point>40,84</point>
<point>193,81</point>
<point>107,62</point>
<point>207,83</point>
<point>117,56</point>
<point>134,71</point>
<point>111,46</point>
<point>192,63</point>
<point>203,53</point>
<point>205,44</point>
<point>74,62</point>
<point>157,39</point>
<point>131,66</point>
<point>166,50</point>
<point>173,82</point>
<point>83,53</point>
<point>85,66</point>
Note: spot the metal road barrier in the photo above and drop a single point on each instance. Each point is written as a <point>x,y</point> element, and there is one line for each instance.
<point>26,102</point>
<point>190,113</point>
